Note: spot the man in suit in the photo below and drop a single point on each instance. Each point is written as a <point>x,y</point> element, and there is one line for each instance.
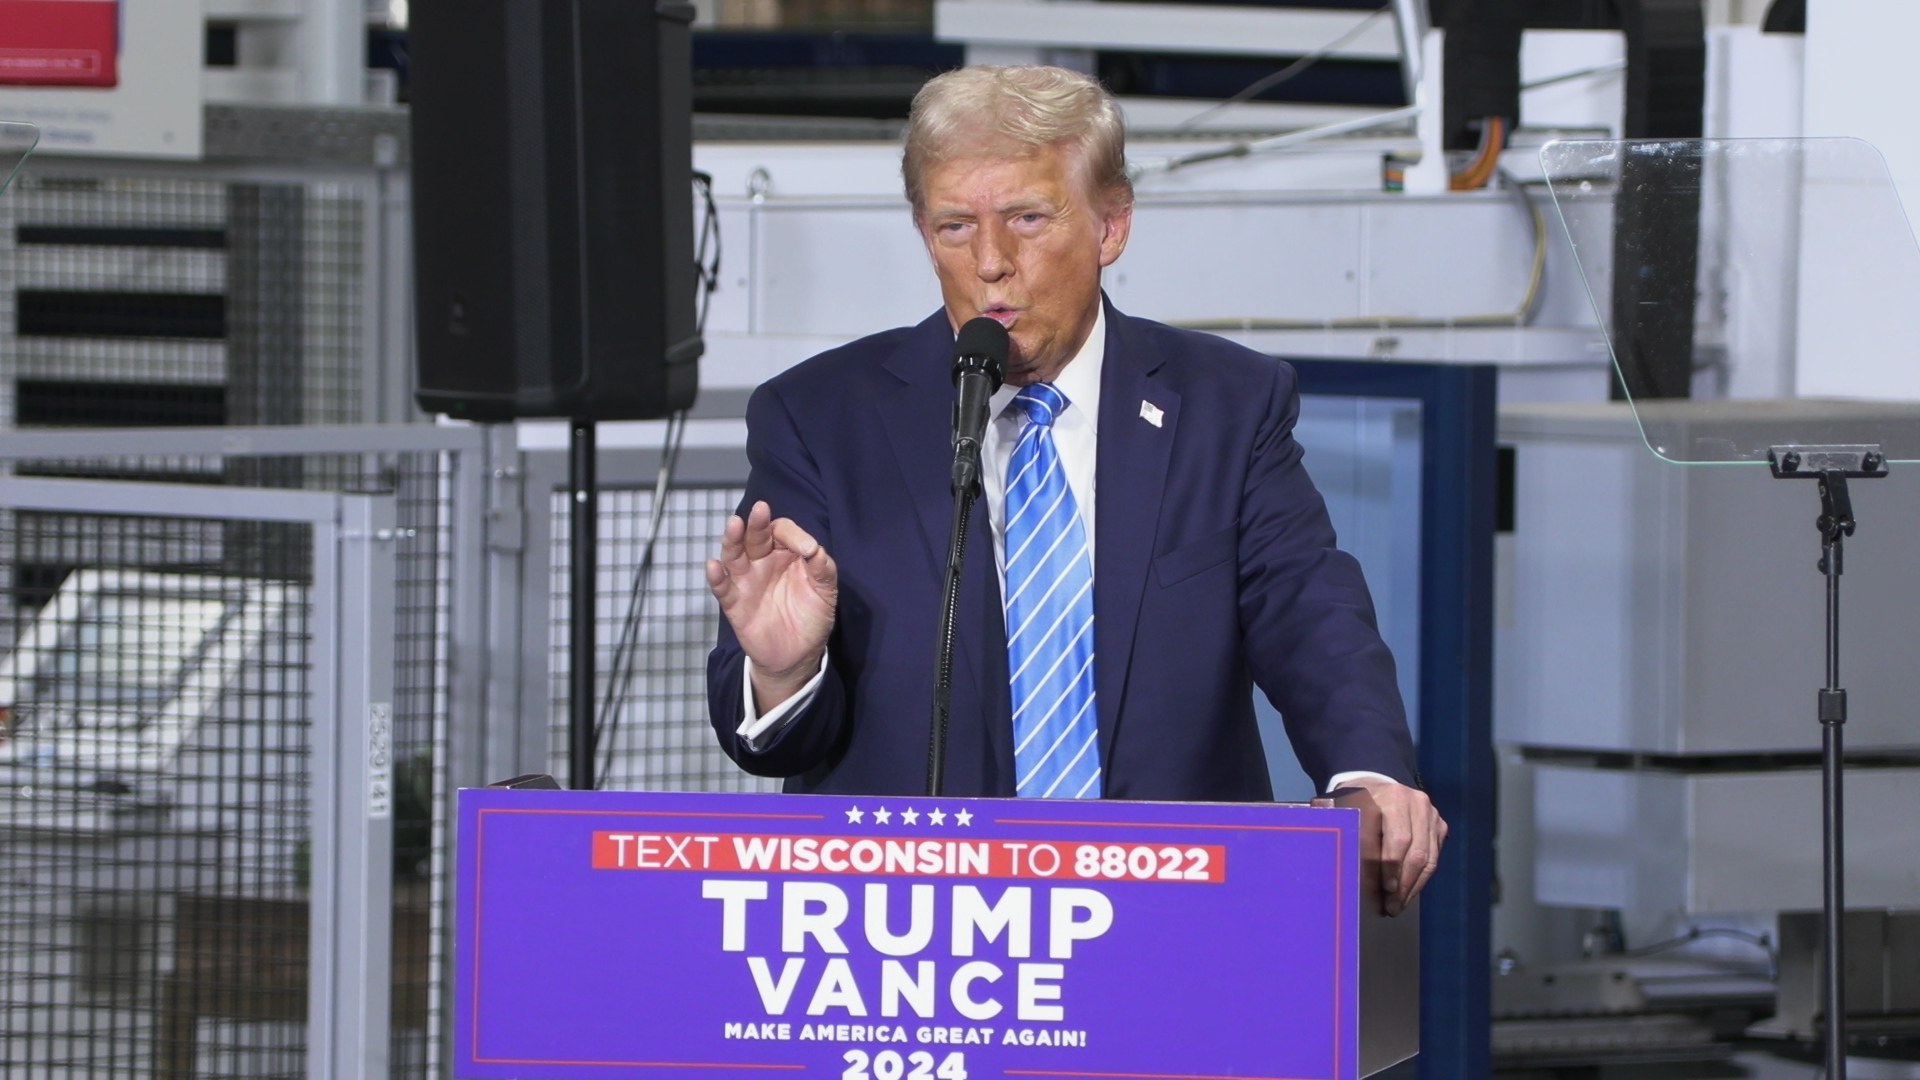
<point>1153,547</point>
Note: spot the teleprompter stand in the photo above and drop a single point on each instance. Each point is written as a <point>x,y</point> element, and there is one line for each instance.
<point>1832,467</point>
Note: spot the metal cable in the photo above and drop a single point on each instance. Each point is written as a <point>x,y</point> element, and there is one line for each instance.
<point>607,726</point>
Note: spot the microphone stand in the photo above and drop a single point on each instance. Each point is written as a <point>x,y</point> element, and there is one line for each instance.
<point>966,488</point>
<point>979,366</point>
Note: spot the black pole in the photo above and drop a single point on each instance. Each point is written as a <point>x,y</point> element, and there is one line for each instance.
<point>979,365</point>
<point>963,496</point>
<point>1832,466</point>
<point>583,518</point>
<point>1836,521</point>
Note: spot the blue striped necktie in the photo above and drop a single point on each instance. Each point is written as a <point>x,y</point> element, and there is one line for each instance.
<point>1049,615</point>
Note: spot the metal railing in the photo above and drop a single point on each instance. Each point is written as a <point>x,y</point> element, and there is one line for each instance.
<point>211,746</point>
<point>242,695</point>
<point>226,747</point>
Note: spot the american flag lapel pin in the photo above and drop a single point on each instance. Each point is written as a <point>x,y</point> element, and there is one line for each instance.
<point>1151,413</point>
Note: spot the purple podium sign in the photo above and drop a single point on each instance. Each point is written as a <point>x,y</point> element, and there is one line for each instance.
<point>620,934</point>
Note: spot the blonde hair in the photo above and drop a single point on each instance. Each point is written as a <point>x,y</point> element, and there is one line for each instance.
<point>1014,111</point>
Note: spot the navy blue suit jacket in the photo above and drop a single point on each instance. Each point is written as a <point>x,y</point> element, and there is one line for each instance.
<point>1215,569</point>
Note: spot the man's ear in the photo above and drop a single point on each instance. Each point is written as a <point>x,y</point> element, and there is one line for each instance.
<point>1118,226</point>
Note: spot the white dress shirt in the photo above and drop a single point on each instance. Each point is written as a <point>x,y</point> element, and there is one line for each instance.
<point>1075,437</point>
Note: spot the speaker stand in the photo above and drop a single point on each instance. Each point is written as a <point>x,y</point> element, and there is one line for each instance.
<point>583,506</point>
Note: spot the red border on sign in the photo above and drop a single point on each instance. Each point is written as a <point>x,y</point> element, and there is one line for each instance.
<point>479,892</point>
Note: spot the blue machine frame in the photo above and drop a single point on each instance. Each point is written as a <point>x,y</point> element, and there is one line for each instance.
<point>1459,479</point>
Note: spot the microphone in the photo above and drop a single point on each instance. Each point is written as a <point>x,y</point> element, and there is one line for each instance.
<point>979,367</point>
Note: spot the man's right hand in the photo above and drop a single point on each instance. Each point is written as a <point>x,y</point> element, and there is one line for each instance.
<point>778,588</point>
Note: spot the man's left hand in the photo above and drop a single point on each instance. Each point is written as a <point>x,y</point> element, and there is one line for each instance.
<point>1411,833</point>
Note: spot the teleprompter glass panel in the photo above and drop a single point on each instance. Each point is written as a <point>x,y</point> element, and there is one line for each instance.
<point>17,140</point>
<point>1793,256</point>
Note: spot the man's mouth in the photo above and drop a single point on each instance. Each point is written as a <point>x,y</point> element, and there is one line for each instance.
<point>1001,313</point>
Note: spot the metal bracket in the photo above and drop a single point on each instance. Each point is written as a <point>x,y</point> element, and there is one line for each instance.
<point>1859,461</point>
<point>378,535</point>
<point>506,530</point>
<point>1832,466</point>
<point>1836,517</point>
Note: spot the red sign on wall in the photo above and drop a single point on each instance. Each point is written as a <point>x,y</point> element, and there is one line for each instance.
<point>59,42</point>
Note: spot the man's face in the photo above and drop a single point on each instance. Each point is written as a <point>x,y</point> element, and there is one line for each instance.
<point>1022,240</point>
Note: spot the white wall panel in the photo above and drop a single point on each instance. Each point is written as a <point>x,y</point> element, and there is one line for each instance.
<point>1563,669</point>
<point>1859,83</point>
<point>1573,288</point>
<point>731,307</point>
<point>1650,843</point>
<point>1415,251</point>
<point>1597,100</point>
<point>1608,839</point>
<point>1240,259</point>
<point>1755,83</point>
<point>1346,166</point>
<point>1859,79</point>
<point>1672,609</point>
<point>1757,840</point>
<point>1858,327</point>
<point>839,269</point>
<point>796,170</point>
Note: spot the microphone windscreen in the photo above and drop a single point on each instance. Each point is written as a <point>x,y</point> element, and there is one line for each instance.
<point>983,337</point>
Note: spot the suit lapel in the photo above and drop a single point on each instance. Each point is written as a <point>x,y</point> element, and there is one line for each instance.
<point>918,420</point>
<point>1132,473</point>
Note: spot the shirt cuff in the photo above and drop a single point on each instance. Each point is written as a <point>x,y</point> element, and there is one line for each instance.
<point>1339,780</point>
<point>757,731</point>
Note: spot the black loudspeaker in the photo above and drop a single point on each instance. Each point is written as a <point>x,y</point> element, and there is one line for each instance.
<point>553,208</point>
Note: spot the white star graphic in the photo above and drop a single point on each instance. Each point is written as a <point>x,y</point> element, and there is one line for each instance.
<point>853,813</point>
<point>882,816</point>
<point>964,817</point>
<point>938,817</point>
<point>910,817</point>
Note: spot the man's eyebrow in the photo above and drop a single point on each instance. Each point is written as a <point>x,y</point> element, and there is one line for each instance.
<point>1032,202</point>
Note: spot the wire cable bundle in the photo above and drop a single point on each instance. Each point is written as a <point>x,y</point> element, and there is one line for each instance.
<point>626,652</point>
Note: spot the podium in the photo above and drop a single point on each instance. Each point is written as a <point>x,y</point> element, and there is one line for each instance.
<point>630,934</point>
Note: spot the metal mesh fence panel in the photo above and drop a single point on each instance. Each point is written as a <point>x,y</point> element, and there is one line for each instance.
<point>131,300</point>
<point>186,899</point>
<point>153,843</point>
<point>656,736</point>
<point>153,301</point>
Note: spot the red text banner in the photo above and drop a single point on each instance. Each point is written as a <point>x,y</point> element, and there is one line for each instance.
<point>59,42</point>
<point>1053,860</point>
